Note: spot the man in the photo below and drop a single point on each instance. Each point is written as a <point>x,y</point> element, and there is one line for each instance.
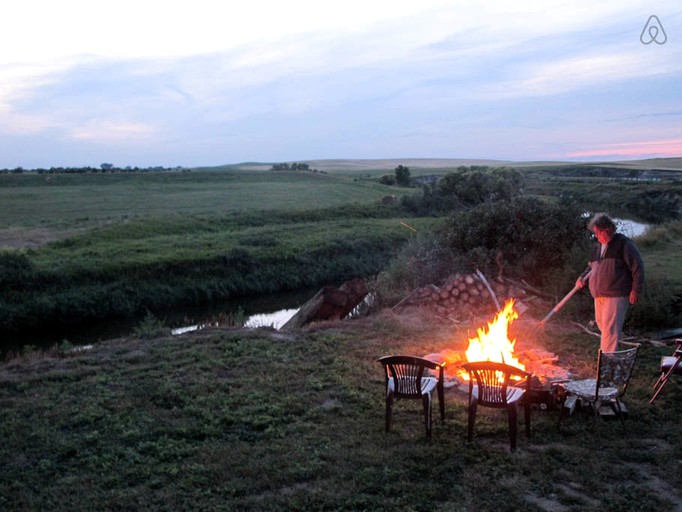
<point>615,280</point>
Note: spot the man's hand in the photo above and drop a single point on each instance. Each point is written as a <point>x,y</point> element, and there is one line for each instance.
<point>634,297</point>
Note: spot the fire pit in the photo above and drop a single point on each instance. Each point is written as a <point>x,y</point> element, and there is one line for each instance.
<point>492,343</point>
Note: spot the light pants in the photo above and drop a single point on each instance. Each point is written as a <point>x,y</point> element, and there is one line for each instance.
<point>609,313</point>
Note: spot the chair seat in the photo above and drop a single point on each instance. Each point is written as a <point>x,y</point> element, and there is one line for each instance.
<point>428,385</point>
<point>667,362</point>
<point>513,394</point>
<point>586,389</point>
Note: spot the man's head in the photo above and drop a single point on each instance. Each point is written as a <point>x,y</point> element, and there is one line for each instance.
<point>602,226</point>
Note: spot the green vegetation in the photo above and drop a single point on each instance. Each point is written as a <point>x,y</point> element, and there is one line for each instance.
<point>123,243</point>
<point>234,419</point>
<point>132,242</point>
<point>255,420</point>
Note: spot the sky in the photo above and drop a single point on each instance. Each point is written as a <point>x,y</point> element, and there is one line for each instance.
<point>205,82</point>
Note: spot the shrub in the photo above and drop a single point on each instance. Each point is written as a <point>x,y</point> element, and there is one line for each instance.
<point>424,259</point>
<point>15,269</point>
<point>523,238</point>
<point>467,187</point>
<point>150,327</point>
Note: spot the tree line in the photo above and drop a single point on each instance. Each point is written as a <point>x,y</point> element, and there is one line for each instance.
<point>103,168</point>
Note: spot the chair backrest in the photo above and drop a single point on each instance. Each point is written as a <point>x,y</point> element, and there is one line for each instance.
<point>493,379</point>
<point>407,373</point>
<point>614,369</point>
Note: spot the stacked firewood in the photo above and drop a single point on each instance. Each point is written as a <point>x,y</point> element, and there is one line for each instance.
<point>464,294</point>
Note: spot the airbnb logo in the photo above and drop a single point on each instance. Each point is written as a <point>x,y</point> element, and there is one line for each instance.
<point>653,31</point>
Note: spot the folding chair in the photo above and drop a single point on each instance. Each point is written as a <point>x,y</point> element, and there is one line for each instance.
<point>670,365</point>
<point>614,370</point>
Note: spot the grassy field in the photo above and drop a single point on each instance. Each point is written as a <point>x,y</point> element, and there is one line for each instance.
<point>123,243</point>
<point>86,200</point>
<point>231,419</point>
<point>264,420</point>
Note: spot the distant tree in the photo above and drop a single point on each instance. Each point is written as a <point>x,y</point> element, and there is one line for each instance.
<point>106,167</point>
<point>387,179</point>
<point>402,176</point>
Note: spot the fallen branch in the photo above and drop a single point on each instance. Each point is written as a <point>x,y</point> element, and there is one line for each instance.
<point>405,298</point>
<point>592,333</point>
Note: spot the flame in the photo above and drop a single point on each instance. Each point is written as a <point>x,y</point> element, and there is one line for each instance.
<point>492,342</point>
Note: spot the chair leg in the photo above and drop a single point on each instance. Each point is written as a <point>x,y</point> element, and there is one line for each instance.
<point>473,405</point>
<point>426,404</point>
<point>441,400</point>
<point>619,412</point>
<point>511,413</point>
<point>389,410</point>
<point>595,409</point>
<point>526,413</point>
<point>663,380</point>
<point>561,415</point>
<point>658,387</point>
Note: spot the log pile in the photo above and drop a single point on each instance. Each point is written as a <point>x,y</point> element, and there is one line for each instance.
<point>464,295</point>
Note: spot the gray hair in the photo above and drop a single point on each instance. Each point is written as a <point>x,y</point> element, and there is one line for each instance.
<point>603,222</point>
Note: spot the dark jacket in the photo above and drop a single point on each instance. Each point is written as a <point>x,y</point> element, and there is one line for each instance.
<point>619,271</point>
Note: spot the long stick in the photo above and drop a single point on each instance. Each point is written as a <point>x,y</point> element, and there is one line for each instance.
<point>490,290</point>
<point>565,299</point>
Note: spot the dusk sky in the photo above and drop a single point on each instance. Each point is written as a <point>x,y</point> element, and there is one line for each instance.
<point>203,83</point>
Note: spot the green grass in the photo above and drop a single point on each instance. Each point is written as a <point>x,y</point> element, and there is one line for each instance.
<point>260,420</point>
<point>124,243</point>
<point>65,200</point>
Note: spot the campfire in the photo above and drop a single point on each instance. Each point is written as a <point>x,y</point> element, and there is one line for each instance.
<point>492,343</point>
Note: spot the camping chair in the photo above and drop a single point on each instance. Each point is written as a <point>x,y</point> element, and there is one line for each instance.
<point>489,386</point>
<point>412,377</point>
<point>670,365</point>
<point>614,370</point>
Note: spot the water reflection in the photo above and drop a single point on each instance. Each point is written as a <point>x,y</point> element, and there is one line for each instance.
<point>630,228</point>
<point>275,320</point>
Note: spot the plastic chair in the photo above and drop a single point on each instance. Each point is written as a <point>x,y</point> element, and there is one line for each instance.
<point>614,370</point>
<point>491,385</point>
<point>413,378</point>
<point>670,365</point>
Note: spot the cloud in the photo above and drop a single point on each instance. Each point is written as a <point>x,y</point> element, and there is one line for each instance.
<point>634,149</point>
<point>107,131</point>
<point>266,80</point>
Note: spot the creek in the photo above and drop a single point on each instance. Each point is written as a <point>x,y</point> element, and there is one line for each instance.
<point>271,310</point>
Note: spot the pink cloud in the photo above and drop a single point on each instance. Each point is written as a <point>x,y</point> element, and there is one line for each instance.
<point>640,149</point>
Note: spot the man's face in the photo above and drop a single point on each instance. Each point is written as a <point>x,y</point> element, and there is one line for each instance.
<point>603,235</point>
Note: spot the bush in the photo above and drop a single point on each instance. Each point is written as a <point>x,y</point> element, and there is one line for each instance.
<point>522,238</point>
<point>467,187</point>
<point>425,259</point>
<point>15,270</point>
<point>150,327</point>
